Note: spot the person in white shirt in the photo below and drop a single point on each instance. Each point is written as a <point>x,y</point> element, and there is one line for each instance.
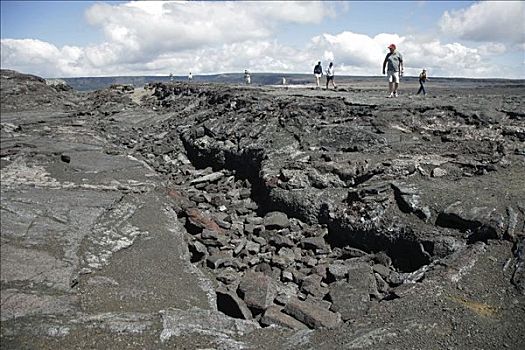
<point>330,75</point>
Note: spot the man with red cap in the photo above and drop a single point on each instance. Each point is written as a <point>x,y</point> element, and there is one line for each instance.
<point>394,61</point>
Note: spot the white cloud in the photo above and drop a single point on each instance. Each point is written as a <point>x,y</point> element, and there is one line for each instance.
<point>173,26</point>
<point>492,48</point>
<point>156,38</point>
<point>359,54</point>
<point>500,21</point>
<point>39,57</point>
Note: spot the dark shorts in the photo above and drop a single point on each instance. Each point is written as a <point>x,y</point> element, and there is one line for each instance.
<point>328,78</point>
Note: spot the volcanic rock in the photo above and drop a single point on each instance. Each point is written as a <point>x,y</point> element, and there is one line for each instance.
<point>257,290</point>
<point>311,315</point>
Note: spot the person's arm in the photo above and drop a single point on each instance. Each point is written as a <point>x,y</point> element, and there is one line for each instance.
<point>384,64</point>
<point>401,64</point>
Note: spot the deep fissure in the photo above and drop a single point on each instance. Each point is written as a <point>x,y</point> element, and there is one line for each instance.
<point>406,254</point>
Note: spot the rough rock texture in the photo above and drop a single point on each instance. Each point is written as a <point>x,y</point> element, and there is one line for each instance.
<point>213,216</point>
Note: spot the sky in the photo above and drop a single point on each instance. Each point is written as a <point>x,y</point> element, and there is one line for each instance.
<point>53,39</point>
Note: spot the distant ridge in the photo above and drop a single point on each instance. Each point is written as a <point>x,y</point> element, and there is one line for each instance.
<point>96,83</point>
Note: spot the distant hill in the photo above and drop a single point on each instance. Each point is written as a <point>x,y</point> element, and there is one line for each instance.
<point>96,83</point>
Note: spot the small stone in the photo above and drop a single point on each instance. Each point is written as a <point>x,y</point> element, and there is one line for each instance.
<point>314,243</point>
<point>287,276</point>
<point>240,246</point>
<point>253,247</point>
<point>312,285</point>
<point>280,241</point>
<point>260,240</point>
<point>338,271</point>
<point>217,260</point>
<point>438,172</point>
<point>276,220</point>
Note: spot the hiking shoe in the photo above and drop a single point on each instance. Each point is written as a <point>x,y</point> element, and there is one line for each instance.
<point>395,94</point>
<point>391,95</point>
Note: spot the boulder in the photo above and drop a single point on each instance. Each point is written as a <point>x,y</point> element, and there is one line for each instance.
<point>276,220</point>
<point>484,222</point>
<point>312,285</point>
<point>314,243</point>
<point>409,201</point>
<point>312,315</point>
<point>257,290</point>
<point>274,316</point>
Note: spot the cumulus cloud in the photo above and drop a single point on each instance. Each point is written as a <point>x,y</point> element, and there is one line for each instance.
<point>152,27</point>
<point>500,21</point>
<point>39,57</point>
<point>359,54</point>
<point>158,38</point>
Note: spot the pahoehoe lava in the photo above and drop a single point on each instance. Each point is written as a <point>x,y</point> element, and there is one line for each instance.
<point>209,215</point>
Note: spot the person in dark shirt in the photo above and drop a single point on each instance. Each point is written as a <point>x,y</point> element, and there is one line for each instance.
<point>318,73</point>
<point>422,79</point>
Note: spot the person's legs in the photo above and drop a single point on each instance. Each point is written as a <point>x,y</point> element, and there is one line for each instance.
<point>423,88</point>
<point>391,80</point>
<point>328,80</point>
<point>396,82</point>
<point>420,89</point>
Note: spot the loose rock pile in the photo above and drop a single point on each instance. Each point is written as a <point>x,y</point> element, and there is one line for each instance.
<point>304,210</point>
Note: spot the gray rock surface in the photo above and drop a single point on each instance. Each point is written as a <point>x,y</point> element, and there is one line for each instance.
<point>134,218</point>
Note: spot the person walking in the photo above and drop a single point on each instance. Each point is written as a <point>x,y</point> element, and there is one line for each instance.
<point>190,77</point>
<point>247,77</point>
<point>330,76</point>
<point>318,73</point>
<point>422,80</point>
<point>394,64</point>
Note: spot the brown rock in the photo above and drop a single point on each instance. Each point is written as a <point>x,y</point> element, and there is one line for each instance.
<point>273,315</point>
<point>312,315</point>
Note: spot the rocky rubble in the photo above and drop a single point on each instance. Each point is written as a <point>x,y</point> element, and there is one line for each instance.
<point>320,210</point>
<point>320,199</point>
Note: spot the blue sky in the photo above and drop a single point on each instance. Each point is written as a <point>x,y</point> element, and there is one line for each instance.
<point>88,38</point>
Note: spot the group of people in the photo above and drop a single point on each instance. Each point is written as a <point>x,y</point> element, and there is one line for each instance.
<point>392,67</point>
<point>318,73</point>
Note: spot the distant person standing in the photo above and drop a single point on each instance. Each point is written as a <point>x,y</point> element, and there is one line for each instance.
<point>171,76</point>
<point>422,80</point>
<point>330,75</point>
<point>394,62</point>
<point>190,77</point>
<point>284,81</point>
<point>247,77</point>
<point>318,73</point>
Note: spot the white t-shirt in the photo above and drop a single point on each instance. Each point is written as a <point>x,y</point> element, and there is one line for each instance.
<point>330,71</point>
